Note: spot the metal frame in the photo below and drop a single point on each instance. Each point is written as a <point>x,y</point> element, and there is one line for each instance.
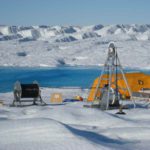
<point>112,64</point>
<point>18,95</point>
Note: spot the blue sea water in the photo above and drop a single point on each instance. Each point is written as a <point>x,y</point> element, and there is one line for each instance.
<point>50,77</point>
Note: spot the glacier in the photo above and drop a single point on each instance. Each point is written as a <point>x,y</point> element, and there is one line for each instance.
<point>52,46</point>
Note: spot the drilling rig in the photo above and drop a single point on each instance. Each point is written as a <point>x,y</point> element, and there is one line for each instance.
<point>109,93</point>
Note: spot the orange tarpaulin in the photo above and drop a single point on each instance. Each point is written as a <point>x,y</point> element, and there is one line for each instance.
<point>136,82</point>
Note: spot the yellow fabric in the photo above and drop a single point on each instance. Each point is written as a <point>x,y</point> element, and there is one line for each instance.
<point>136,82</point>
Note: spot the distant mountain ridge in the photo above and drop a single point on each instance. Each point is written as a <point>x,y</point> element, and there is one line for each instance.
<point>74,33</point>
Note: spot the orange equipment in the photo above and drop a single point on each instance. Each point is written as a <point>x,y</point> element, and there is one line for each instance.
<point>136,81</point>
<point>78,98</point>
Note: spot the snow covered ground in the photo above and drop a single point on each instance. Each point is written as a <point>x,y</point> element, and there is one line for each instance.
<point>71,126</point>
<point>51,46</point>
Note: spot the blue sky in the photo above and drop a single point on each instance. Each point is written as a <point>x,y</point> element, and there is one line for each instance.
<point>74,12</point>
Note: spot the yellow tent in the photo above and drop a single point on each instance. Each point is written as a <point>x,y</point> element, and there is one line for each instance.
<point>136,82</point>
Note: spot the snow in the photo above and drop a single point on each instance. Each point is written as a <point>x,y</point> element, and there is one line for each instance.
<point>72,126</point>
<point>95,51</point>
<point>4,30</point>
<point>49,44</point>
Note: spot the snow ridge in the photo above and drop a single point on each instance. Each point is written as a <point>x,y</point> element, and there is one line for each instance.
<point>139,32</point>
